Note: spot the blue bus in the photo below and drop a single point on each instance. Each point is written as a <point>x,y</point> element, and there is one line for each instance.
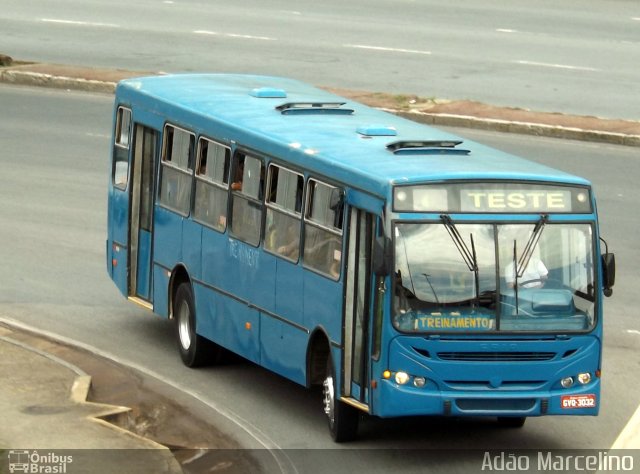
<point>404,270</point>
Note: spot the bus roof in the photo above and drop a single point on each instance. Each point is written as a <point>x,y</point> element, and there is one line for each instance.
<point>326,133</point>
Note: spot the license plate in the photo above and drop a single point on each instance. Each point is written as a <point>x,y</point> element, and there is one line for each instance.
<point>578,401</point>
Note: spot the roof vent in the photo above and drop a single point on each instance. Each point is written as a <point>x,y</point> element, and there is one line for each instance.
<point>313,108</point>
<point>268,93</point>
<point>427,147</point>
<point>377,131</point>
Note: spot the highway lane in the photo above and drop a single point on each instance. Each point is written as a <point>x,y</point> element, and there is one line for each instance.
<point>53,157</point>
<point>574,56</point>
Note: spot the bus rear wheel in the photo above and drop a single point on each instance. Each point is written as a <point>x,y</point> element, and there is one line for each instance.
<point>343,418</point>
<point>194,349</point>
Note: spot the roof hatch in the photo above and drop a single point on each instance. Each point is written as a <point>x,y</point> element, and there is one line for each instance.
<point>427,147</point>
<point>375,130</point>
<point>268,93</point>
<point>314,108</point>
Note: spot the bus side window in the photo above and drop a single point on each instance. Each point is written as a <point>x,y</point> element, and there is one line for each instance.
<point>120,172</point>
<point>246,207</point>
<point>284,212</point>
<point>323,228</point>
<point>177,167</point>
<point>212,183</point>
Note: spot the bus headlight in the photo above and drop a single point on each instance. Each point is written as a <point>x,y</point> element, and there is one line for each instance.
<point>402,378</point>
<point>584,378</point>
<point>419,382</point>
<point>566,382</point>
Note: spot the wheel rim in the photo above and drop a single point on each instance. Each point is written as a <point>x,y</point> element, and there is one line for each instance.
<point>184,326</point>
<point>328,398</point>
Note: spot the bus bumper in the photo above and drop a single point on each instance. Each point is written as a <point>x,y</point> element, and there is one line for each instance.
<point>394,400</point>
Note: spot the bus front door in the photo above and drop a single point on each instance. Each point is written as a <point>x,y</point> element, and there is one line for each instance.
<point>145,148</point>
<point>357,307</point>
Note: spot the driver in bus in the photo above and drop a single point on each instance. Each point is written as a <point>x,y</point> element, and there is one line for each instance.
<point>534,276</point>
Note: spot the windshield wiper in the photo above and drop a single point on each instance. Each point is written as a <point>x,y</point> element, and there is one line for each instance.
<point>469,256</point>
<point>527,253</point>
<point>435,295</point>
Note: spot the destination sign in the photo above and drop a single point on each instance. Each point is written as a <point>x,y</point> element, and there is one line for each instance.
<point>494,197</point>
<point>454,321</point>
<point>478,200</point>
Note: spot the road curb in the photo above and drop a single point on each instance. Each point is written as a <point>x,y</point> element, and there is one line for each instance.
<point>39,79</point>
<point>27,78</point>
<point>523,128</point>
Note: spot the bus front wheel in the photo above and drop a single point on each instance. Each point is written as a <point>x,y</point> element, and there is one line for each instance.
<point>194,350</point>
<point>343,418</point>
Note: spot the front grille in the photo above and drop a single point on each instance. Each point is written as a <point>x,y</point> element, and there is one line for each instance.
<point>496,356</point>
<point>486,384</point>
<point>494,405</point>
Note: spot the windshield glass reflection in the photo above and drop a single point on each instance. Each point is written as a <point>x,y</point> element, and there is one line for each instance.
<point>515,277</point>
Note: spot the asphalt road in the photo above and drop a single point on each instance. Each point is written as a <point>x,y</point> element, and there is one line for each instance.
<point>54,162</point>
<point>574,56</point>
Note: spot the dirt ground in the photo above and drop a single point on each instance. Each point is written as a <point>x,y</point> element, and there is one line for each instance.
<point>393,102</point>
<point>477,109</point>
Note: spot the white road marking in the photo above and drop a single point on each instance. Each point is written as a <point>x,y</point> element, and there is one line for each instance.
<point>79,23</point>
<point>506,30</point>
<point>635,18</point>
<point>629,437</point>
<point>633,331</point>
<point>557,66</point>
<point>382,48</point>
<point>97,135</point>
<point>234,35</point>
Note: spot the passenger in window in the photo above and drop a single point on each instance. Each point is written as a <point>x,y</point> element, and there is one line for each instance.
<point>236,185</point>
<point>291,248</point>
<point>283,235</point>
<point>325,253</point>
<point>202,170</point>
<point>336,205</point>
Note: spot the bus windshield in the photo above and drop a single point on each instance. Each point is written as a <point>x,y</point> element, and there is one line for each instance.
<point>493,277</point>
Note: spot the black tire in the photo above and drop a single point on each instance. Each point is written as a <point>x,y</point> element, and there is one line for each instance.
<point>343,419</point>
<point>195,350</point>
<point>512,421</point>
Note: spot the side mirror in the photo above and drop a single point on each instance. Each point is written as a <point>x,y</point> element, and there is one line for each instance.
<point>382,261</point>
<point>608,273</point>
